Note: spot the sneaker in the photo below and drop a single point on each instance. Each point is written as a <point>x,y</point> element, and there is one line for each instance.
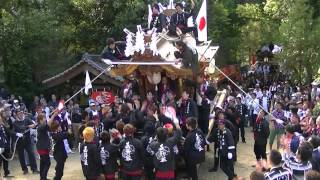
<point>36,172</point>
<point>214,169</point>
<point>25,172</point>
<point>8,175</point>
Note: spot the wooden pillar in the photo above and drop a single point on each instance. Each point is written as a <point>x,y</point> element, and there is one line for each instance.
<point>142,86</point>
<point>180,84</point>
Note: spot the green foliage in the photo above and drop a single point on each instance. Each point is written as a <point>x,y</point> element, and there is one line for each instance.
<point>39,38</point>
<point>224,29</point>
<point>300,34</point>
<point>252,35</point>
<point>291,23</point>
<point>31,43</point>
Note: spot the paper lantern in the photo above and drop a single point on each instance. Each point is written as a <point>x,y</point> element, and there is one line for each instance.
<point>154,78</point>
<point>211,68</point>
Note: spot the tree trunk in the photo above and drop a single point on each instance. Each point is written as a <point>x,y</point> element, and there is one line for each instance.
<point>309,71</point>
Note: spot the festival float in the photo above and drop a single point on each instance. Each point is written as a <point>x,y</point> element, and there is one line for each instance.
<point>149,56</point>
<point>152,56</point>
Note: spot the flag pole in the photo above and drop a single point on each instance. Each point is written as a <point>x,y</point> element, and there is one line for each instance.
<point>102,72</point>
<point>235,84</point>
<point>106,69</point>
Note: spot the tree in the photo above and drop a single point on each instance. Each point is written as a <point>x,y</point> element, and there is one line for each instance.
<point>224,30</point>
<point>291,23</point>
<point>39,38</point>
<point>300,33</point>
<point>253,32</point>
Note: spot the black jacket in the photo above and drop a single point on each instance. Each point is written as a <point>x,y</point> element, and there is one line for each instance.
<point>132,154</point>
<point>22,127</point>
<point>109,122</point>
<point>3,138</point>
<point>147,140</point>
<point>59,149</point>
<point>261,132</point>
<point>130,117</point>
<point>43,142</point>
<point>213,136</point>
<point>226,142</point>
<point>180,20</point>
<point>76,117</point>
<point>232,118</point>
<point>242,110</point>
<point>90,160</point>
<point>316,159</point>
<point>188,109</point>
<point>5,134</point>
<point>110,54</point>
<point>163,153</point>
<point>159,22</point>
<point>109,154</point>
<point>194,147</point>
<point>190,60</point>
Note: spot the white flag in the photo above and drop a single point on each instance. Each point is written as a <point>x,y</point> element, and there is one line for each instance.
<point>170,5</point>
<point>149,16</point>
<point>202,22</point>
<point>87,84</point>
<point>161,8</point>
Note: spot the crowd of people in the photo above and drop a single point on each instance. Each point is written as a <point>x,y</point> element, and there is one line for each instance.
<point>147,137</point>
<point>165,135</point>
<point>162,136</point>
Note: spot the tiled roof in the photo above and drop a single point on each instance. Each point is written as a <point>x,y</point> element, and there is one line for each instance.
<point>93,60</point>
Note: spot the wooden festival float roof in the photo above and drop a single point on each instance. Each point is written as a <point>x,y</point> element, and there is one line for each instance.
<point>144,67</point>
<point>147,63</point>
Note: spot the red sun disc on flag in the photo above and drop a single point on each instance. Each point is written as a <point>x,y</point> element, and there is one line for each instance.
<point>202,23</point>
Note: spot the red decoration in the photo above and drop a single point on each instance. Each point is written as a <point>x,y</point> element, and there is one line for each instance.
<point>253,59</point>
<point>231,71</point>
<point>61,105</point>
<point>202,23</point>
<point>103,97</point>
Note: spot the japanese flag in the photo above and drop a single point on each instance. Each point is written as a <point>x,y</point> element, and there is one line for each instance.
<point>202,22</point>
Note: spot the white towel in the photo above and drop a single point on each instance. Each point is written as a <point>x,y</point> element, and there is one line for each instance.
<point>66,146</point>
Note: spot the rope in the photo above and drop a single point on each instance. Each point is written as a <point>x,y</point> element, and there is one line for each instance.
<point>14,148</point>
<point>261,107</point>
